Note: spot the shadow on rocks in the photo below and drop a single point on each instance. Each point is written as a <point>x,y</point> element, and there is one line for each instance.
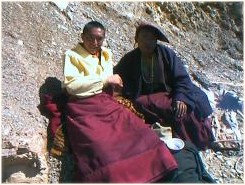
<point>51,91</point>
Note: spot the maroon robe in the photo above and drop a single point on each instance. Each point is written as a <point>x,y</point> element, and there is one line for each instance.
<point>111,144</point>
<point>190,127</point>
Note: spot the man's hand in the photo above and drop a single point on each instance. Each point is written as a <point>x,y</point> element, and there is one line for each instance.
<point>180,109</point>
<point>115,80</point>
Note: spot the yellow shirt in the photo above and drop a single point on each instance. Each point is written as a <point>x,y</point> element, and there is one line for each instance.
<point>84,75</point>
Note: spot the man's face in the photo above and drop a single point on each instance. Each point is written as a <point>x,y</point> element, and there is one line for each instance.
<point>147,41</point>
<point>93,40</point>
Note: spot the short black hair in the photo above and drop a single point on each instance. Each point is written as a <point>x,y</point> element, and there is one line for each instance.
<point>92,24</point>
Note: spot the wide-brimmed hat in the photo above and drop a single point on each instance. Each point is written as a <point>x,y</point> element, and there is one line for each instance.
<point>154,29</point>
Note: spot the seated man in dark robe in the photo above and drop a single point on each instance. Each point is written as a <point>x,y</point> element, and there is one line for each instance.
<point>156,81</point>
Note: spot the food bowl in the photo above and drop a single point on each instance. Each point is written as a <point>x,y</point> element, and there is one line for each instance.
<point>174,143</point>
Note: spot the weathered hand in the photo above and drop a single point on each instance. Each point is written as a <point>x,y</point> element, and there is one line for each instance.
<point>115,80</point>
<point>180,109</point>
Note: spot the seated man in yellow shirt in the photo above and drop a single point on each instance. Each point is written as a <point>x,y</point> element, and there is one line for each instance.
<point>109,142</point>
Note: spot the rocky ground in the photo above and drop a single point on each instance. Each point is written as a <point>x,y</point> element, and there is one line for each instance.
<point>207,36</point>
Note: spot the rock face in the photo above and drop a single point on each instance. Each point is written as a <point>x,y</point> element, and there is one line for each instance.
<point>207,36</point>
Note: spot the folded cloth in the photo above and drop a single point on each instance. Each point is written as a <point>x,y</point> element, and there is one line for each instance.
<point>54,105</point>
<point>60,143</point>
